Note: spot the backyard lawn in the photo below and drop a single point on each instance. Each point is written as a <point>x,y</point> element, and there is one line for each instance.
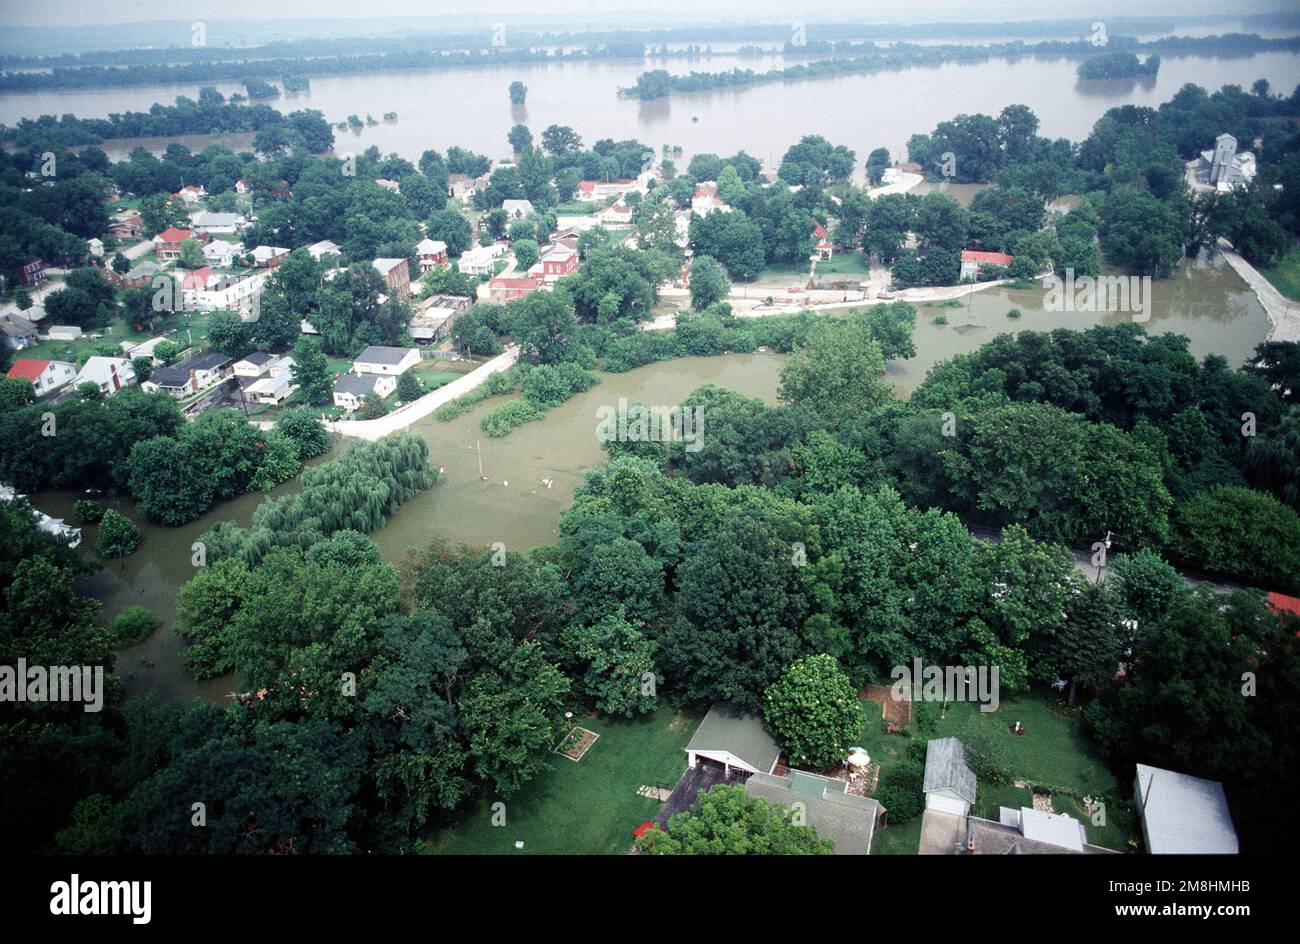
<point>588,806</point>
<point>1285,274</point>
<point>1054,752</point>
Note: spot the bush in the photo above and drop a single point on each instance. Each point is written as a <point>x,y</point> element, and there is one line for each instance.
<point>900,792</point>
<point>1013,313</point>
<point>118,537</point>
<point>409,387</point>
<point>509,415</point>
<point>941,319</point>
<point>302,425</point>
<point>133,625</point>
<point>88,511</point>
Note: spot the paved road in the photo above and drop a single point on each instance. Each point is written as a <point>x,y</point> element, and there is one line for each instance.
<point>1284,313</point>
<point>404,416</point>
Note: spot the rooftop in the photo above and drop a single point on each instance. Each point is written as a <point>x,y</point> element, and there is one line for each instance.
<point>1184,814</point>
<point>946,768</point>
<point>356,384</point>
<point>845,819</point>
<point>727,728</point>
<point>377,354</point>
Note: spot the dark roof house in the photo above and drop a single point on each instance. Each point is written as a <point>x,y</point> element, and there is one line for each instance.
<point>844,818</point>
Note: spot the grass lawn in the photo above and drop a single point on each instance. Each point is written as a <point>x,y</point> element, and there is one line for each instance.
<point>576,208</point>
<point>590,806</point>
<point>1055,752</point>
<point>433,379</point>
<point>1285,274</point>
<point>845,263</point>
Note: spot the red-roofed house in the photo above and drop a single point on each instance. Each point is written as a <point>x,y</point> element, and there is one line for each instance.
<point>586,190</point>
<point>1280,603</point>
<point>972,262</point>
<point>43,375</point>
<point>822,249</point>
<point>168,242</point>
<point>509,289</point>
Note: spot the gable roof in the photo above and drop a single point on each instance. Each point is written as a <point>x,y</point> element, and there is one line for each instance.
<point>945,768</point>
<point>384,266</point>
<point>727,728</point>
<point>170,377</point>
<point>258,358</point>
<point>28,368</point>
<point>173,234</point>
<point>17,326</point>
<point>378,354</point>
<point>987,258</point>
<point>356,384</point>
<point>845,819</point>
<point>1183,814</point>
<point>209,361</point>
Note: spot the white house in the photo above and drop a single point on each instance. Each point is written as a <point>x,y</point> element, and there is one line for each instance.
<point>616,213</point>
<point>268,256</point>
<point>517,209</point>
<point>949,784</point>
<point>1182,814</point>
<point>109,374</point>
<point>95,247</point>
<point>255,364</point>
<point>218,224</point>
<point>143,349</point>
<point>326,247</point>
<point>222,254</point>
<point>226,291</point>
<point>64,332</point>
<point>351,389</point>
<point>733,740</point>
<point>481,260</point>
<point>391,361</point>
<point>44,375</point>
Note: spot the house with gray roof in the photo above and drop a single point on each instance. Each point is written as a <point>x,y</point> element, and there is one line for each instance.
<point>391,361</point>
<point>19,331</point>
<point>1027,831</point>
<point>949,784</point>
<point>846,819</point>
<point>734,739</point>
<point>1182,814</point>
<point>351,389</point>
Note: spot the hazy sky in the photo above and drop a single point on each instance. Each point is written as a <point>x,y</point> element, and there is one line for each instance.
<point>91,12</point>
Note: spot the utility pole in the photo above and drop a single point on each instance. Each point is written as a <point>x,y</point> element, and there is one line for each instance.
<point>478,445</point>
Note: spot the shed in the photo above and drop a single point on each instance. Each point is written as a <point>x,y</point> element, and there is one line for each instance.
<point>949,784</point>
<point>1183,814</point>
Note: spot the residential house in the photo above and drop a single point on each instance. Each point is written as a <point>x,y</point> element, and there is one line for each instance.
<point>517,209</point>
<point>143,349</point>
<point>392,185</point>
<point>194,281</point>
<point>1222,169</point>
<point>95,248</point>
<point>254,365</point>
<point>125,225</point>
<point>397,275</point>
<point>1182,814</point>
<point>556,261</point>
<point>190,375</point>
<point>64,332</point>
<point>222,254</point>
<point>218,224</point>
<point>432,252</point>
<point>33,272</point>
<point>481,260</point>
<point>822,248</point>
<point>705,200</point>
<point>325,247</point>
<point>617,213</point>
<point>509,289</point>
<point>891,176</point>
<point>1028,831</point>
<point>434,316</point>
<point>109,374</point>
<point>949,783</point>
<point>18,330</point>
<point>351,389</point>
<point>268,257</point>
<point>846,819</point>
<point>734,740</point>
<point>272,390</point>
<point>390,361</point>
<point>228,291</point>
<point>45,376</point>
<point>167,244</point>
<point>174,381</point>
<point>190,195</point>
<point>141,273</point>
<point>972,262</point>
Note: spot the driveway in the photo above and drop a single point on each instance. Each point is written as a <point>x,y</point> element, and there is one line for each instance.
<point>941,833</point>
